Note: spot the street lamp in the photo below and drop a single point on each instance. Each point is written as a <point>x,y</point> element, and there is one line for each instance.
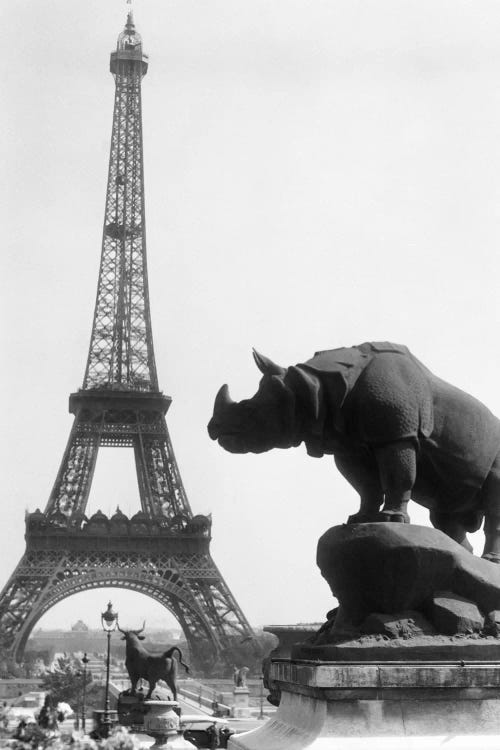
<point>85,661</point>
<point>109,620</point>
<point>261,713</point>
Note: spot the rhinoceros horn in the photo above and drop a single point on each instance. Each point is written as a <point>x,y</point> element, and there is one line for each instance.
<point>266,365</point>
<point>222,401</point>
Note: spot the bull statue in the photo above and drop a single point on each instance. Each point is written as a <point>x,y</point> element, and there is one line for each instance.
<point>141,664</point>
<point>395,430</point>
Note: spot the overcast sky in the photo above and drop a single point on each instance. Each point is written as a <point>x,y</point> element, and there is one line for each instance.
<point>319,173</point>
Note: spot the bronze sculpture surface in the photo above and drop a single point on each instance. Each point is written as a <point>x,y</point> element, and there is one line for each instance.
<point>141,664</point>
<point>396,431</point>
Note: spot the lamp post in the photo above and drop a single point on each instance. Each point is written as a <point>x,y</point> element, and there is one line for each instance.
<point>109,620</point>
<point>85,661</point>
<point>261,713</point>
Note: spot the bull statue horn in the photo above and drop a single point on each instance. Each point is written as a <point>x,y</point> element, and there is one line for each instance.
<point>266,365</point>
<point>222,400</point>
<point>140,629</point>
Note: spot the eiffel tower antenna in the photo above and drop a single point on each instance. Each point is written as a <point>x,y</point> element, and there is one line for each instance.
<point>163,551</point>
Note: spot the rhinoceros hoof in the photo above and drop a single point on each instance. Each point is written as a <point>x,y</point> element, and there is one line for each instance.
<point>363,517</point>
<point>393,516</point>
<point>493,557</point>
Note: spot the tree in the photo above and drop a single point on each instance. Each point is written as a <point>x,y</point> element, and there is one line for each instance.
<point>250,652</point>
<point>241,652</point>
<point>65,681</point>
<point>8,667</point>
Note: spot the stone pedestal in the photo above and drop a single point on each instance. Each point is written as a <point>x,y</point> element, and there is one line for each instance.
<point>390,705</point>
<point>241,707</point>
<point>162,722</point>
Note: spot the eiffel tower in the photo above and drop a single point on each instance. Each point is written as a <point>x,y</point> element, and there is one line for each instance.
<point>163,551</point>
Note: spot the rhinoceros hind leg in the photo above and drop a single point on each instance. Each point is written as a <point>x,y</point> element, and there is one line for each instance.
<point>452,526</point>
<point>490,495</point>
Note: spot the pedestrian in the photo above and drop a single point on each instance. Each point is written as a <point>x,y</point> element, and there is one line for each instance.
<point>20,732</point>
<point>224,735</point>
<point>47,718</point>
<point>213,736</point>
<point>4,715</point>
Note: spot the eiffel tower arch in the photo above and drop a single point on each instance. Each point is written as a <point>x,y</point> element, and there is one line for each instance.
<point>172,567</point>
<point>163,551</point>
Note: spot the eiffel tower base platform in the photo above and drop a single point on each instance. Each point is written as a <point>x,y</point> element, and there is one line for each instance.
<point>65,556</point>
<point>380,706</point>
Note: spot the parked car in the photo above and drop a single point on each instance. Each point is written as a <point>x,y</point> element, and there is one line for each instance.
<point>206,731</point>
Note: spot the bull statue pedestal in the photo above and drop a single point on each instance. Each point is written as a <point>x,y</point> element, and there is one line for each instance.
<point>162,721</point>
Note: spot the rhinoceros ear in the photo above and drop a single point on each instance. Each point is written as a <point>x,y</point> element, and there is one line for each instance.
<point>266,365</point>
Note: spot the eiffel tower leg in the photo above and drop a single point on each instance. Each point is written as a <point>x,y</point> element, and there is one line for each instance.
<point>162,492</point>
<point>74,478</point>
<point>202,647</point>
<point>21,598</point>
<point>207,586</point>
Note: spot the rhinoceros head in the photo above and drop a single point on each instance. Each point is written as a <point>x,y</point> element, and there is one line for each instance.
<point>259,423</point>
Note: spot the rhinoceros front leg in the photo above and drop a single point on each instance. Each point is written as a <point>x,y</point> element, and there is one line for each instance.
<point>397,465</point>
<point>361,472</point>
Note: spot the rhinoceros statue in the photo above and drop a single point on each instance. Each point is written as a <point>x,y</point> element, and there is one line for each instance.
<point>396,431</point>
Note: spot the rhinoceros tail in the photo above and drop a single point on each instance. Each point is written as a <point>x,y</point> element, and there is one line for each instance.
<point>168,654</point>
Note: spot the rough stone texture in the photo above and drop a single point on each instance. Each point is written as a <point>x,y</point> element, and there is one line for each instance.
<point>453,614</point>
<point>366,706</point>
<point>288,636</point>
<point>392,567</point>
<point>403,625</point>
<point>337,627</point>
<point>492,622</point>
<point>380,649</point>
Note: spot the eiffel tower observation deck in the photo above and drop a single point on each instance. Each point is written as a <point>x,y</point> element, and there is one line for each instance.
<point>163,551</point>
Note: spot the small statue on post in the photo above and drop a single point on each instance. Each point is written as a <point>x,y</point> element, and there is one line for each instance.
<point>241,693</point>
<point>240,676</point>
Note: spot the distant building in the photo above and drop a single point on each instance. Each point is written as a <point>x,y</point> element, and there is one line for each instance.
<point>81,638</point>
<point>18,686</point>
<point>80,627</point>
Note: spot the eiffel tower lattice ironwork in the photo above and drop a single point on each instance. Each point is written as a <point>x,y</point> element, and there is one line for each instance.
<point>163,550</point>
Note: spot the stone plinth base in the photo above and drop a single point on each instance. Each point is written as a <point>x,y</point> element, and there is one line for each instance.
<point>394,706</point>
<point>162,722</point>
<point>241,707</point>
